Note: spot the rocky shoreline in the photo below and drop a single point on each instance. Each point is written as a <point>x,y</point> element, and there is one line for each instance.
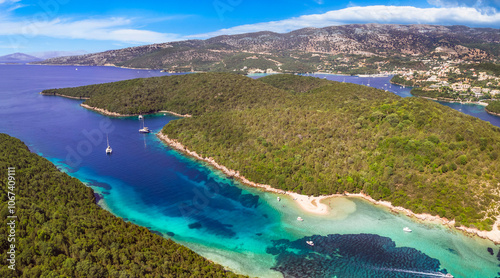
<point>492,113</point>
<point>115,114</point>
<point>59,95</point>
<point>314,205</point>
<point>106,112</point>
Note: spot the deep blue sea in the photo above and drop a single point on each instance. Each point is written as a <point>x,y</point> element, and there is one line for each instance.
<point>242,228</point>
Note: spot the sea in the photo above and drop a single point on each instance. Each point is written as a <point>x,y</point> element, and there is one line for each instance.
<point>245,229</point>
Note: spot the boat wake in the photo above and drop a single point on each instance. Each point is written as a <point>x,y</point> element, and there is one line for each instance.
<point>419,273</point>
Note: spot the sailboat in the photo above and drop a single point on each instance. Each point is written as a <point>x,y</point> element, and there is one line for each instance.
<point>108,149</point>
<point>144,129</point>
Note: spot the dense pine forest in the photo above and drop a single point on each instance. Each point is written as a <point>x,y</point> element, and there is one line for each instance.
<point>61,232</point>
<point>319,137</point>
<point>193,94</point>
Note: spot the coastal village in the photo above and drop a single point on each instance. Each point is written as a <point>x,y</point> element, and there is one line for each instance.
<point>451,81</point>
<point>445,79</point>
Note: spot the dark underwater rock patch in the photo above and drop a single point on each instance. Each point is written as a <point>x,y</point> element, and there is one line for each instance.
<point>354,255</point>
<point>195,225</point>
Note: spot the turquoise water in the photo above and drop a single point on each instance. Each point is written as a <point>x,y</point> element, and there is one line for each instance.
<point>245,229</point>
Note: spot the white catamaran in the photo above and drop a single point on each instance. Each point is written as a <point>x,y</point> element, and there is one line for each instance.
<point>108,149</point>
<point>144,129</point>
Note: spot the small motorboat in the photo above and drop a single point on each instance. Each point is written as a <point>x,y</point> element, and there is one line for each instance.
<point>406,229</point>
<point>300,219</point>
<point>140,117</point>
<point>279,199</point>
<point>310,242</point>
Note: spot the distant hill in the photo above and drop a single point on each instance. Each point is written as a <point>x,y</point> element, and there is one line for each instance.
<point>18,58</point>
<point>308,49</point>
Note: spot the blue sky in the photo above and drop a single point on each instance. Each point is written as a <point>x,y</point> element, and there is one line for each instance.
<point>69,25</point>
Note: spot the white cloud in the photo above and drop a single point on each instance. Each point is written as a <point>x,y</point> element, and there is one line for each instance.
<point>484,6</point>
<point>370,14</point>
<point>118,29</point>
<point>464,3</point>
<point>124,30</point>
<point>114,29</point>
<point>15,7</point>
<point>8,1</point>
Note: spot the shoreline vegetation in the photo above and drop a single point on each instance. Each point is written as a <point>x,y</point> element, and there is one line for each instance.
<point>493,108</point>
<point>114,114</point>
<point>67,234</point>
<point>319,137</point>
<point>492,113</point>
<point>491,105</point>
<point>455,101</point>
<point>313,204</point>
<point>60,95</point>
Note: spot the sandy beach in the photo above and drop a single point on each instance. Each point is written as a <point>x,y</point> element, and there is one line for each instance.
<point>315,205</point>
<point>308,203</point>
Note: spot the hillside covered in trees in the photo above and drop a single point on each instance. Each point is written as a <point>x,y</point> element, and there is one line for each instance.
<point>61,232</point>
<point>193,94</point>
<point>494,107</point>
<point>321,137</point>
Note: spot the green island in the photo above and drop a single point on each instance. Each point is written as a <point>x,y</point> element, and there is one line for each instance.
<point>61,232</point>
<point>319,137</point>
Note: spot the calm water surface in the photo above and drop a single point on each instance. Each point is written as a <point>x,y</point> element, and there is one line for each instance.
<point>249,231</point>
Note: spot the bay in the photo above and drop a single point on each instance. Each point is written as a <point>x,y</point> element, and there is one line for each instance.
<point>247,230</point>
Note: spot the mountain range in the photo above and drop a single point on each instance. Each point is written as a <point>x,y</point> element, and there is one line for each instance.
<point>37,56</point>
<point>18,58</point>
<point>307,49</point>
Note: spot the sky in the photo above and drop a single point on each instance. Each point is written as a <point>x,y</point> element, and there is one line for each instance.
<point>94,26</point>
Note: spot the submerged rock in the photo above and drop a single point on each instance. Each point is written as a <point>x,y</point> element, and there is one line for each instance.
<point>353,255</point>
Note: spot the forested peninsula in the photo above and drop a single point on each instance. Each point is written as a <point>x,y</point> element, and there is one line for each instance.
<point>61,232</point>
<point>493,107</point>
<point>319,137</point>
